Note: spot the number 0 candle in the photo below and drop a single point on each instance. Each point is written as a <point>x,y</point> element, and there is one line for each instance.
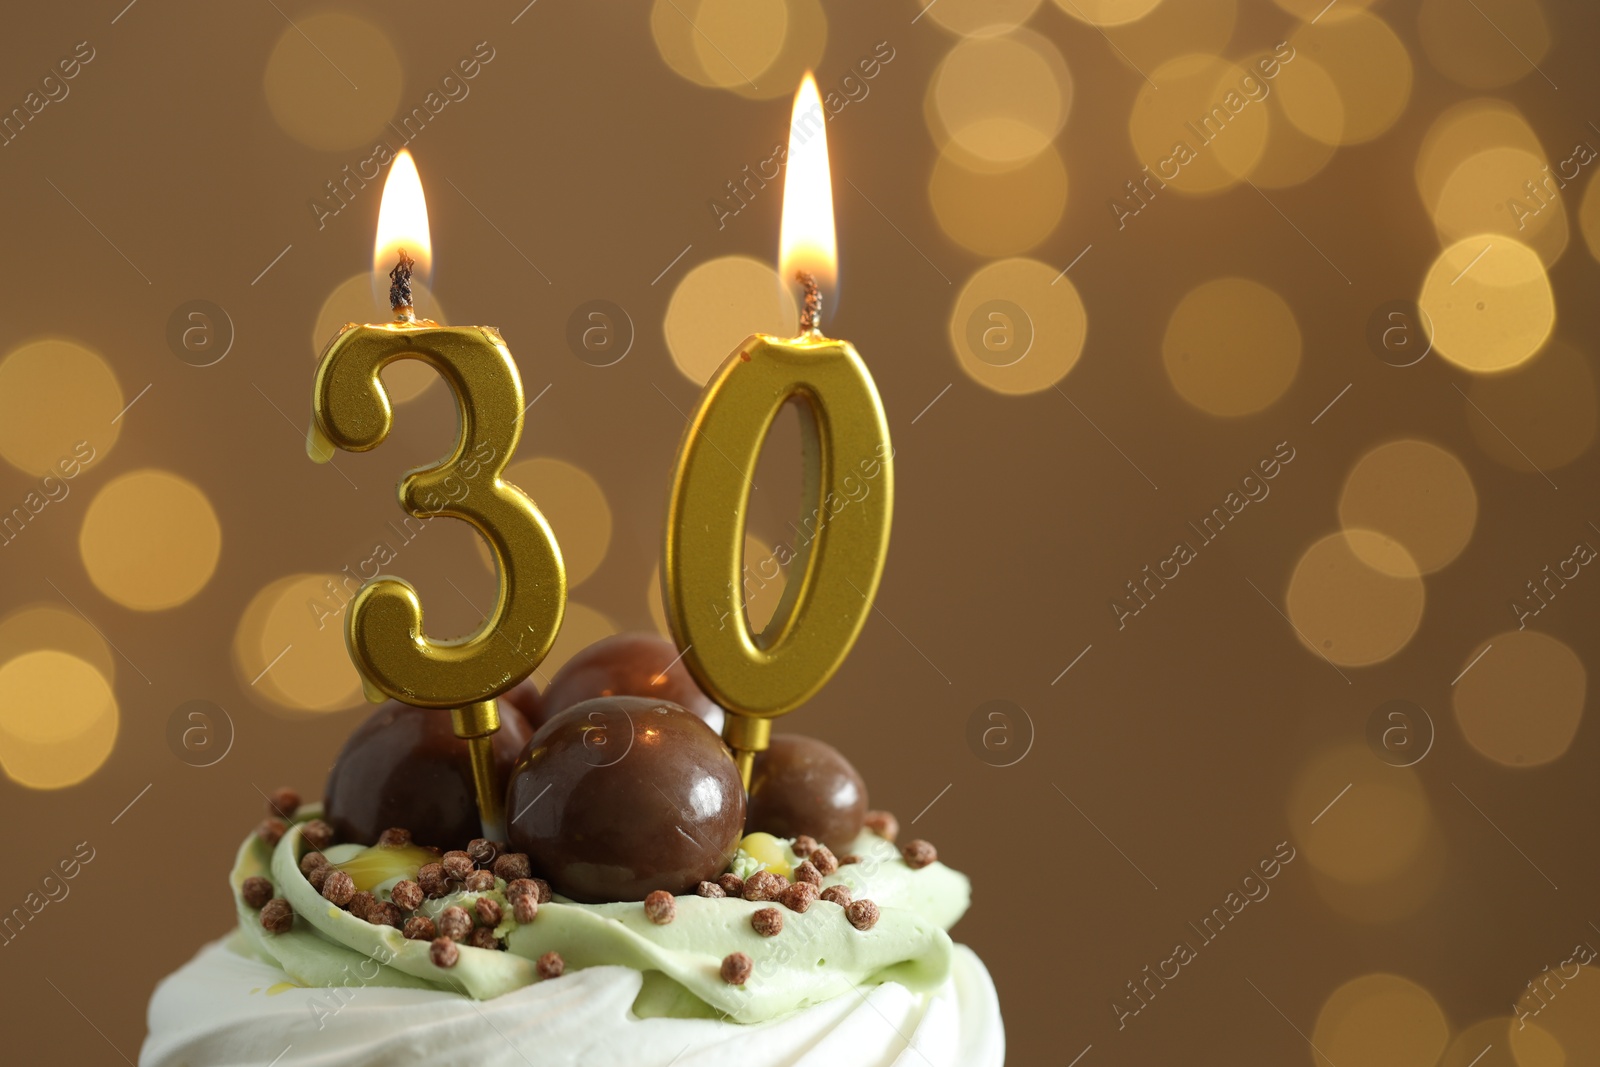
<point>351,409</point>
<point>848,485</point>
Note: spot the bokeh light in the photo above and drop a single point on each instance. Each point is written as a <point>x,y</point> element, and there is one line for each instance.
<point>1358,820</point>
<point>1367,63</point>
<point>1589,217</point>
<point>720,303</point>
<point>1484,44</point>
<point>47,626</point>
<point>1487,302</point>
<point>58,719</point>
<point>1201,131</point>
<point>1486,1043</point>
<point>1306,10</point>
<point>357,299</point>
<point>1568,1024</point>
<point>332,81</point>
<point>1489,192</point>
<point>575,507</point>
<point>1291,157</point>
<point>1107,12</point>
<point>999,213</point>
<point>581,627</point>
<point>1463,130</point>
<point>1351,611</point>
<point>1310,100</point>
<point>1520,704</point>
<point>1381,1020</point>
<point>1232,346</point>
<point>999,99</point>
<point>758,49</point>
<point>1416,493</point>
<point>289,646</point>
<point>1018,326</point>
<point>1540,415</point>
<point>55,395</point>
<point>150,540</point>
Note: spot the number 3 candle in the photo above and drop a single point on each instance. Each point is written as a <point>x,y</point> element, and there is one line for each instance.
<point>848,485</point>
<point>384,628</point>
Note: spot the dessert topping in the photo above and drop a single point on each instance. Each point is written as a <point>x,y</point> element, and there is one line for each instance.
<point>443,952</point>
<point>736,968</point>
<point>661,908</point>
<point>277,916</point>
<point>256,892</point>
<point>768,922</point>
<point>551,965</point>
<point>863,914</point>
<point>919,854</point>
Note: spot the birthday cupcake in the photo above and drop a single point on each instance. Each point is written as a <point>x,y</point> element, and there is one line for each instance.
<point>644,908</point>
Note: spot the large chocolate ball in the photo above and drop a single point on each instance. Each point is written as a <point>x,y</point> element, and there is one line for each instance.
<point>619,796</point>
<point>405,767</point>
<point>804,786</point>
<point>628,665</point>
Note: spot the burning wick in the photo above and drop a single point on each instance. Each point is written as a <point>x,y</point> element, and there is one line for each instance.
<point>400,288</point>
<point>811,313</point>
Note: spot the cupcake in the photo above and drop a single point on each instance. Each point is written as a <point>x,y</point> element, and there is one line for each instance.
<point>644,909</point>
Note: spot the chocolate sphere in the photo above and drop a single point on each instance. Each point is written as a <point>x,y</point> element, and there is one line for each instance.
<point>804,786</point>
<point>628,665</point>
<point>619,796</point>
<point>404,767</point>
<point>525,698</point>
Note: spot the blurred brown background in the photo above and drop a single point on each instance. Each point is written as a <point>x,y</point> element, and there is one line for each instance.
<point>1260,304</point>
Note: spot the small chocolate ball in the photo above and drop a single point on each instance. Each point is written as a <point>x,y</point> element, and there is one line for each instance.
<point>627,665</point>
<point>804,786</point>
<point>619,796</point>
<point>404,767</point>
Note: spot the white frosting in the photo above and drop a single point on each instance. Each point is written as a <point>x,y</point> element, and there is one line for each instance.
<point>224,1009</point>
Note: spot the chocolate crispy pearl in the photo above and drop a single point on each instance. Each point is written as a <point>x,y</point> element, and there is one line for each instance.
<point>631,665</point>
<point>404,767</point>
<point>642,795</point>
<point>804,786</point>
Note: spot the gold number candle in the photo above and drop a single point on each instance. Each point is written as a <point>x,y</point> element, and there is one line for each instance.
<point>848,487</point>
<point>384,627</point>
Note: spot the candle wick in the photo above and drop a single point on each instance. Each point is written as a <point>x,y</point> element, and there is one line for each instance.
<point>400,288</point>
<point>811,312</point>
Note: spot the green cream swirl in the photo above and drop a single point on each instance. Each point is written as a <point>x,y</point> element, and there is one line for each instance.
<point>817,956</point>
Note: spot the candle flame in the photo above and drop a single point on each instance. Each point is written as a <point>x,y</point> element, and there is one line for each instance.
<point>806,241</point>
<point>402,220</point>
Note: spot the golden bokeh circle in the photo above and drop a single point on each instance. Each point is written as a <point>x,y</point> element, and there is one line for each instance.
<point>1547,406</point>
<point>1521,703</point>
<point>1381,1020</point>
<point>1311,101</point>
<point>1569,1023</point>
<point>1367,62</point>
<point>1463,130</point>
<point>332,81</point>
<point>150,540</point>
<point>999,99</point>
<point>1365,834</point>
<point>1412,886</point>
<point>1306,10</point>
<point>969,17</point>
<point>1018,326</point>
<point>1003,213</point>
<point>1416,493</point>
<point>1232,346</point>
<point>357,299</point>
<point>735,41</point>
<point>720,303</point>
<point>1589,216</point>
<point>1108,12</point>
<point>289,646</point>
<point>575,507</point>
<point>1483,1044</point>
<point>1487,303</point>
<point>47,626</point>
<point>1488,193</point>
<point>55,395</point>
<point>581,627</point>
<point>1484,44</point>
<point>1200,132</point>
<point>803,45</point>
<point>757,49</point>
<point>1351,611</point>
<point>58,719</point>
<point>1291,157</point>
